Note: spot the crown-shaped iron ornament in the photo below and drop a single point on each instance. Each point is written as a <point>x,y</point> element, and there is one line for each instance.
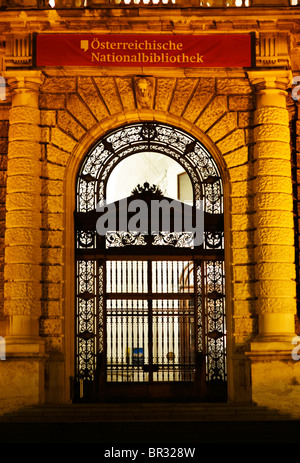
<point>147,188</point>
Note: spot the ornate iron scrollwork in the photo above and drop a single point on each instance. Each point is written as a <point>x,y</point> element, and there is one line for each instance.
<point>92,279</point>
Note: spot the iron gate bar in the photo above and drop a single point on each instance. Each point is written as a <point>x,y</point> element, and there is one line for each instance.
<point>148,295</point>
<point>156,254</point>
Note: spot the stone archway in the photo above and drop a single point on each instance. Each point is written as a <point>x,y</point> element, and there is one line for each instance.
<point>209,273</point>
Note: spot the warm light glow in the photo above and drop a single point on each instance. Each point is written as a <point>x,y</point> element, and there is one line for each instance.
<point>52,3</point>
<point>294,2</point>
<point>238,2</point>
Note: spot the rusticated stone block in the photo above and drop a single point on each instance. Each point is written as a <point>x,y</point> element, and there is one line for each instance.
<point>52,101</point>
<point>242,189</point>
<point>56,155</point>
<point>52,171</point>
<point>108,90</point>
<point>237,157</point>
<point>23,236</point>
<point>200,98</point>
<point>233,86</point>
<point>62,140</point>
<point>51,290</point>
<point>245,119</point>
<point>23,219</point>
<point>51,327</point>
<point>88,91</point>
<point>272,132</point>
<point>277,167</point>
<point>242,205</point>
<point>232,142</point>
<point>23,201</point>
<point>23,290</point>
<point>59,85</point>
<point>274,201</point>
<point>274,270</point>
<point>25,132</point>
<point>243,325</point>
<point>181,95</point>
<point>48,118</point>
<point>242,221</point>
<point>54,344</point>
<point>212,113</point>
<point>24,115</point>
<point>243,290</point>
<point>52,238</point>
<point>51,308</point>
<point>52,273</point>
<point>273,304</point>
<point>242,308</point>
<point>227,124</point>
<point>53,204</point>
<point>276,288</point>
<point>52,255</point>
<point>53,221</point>
<point>125,87</point>
<point>271,115</point>
<point>25,272</point>
<point>25,167</point>
<point>274,253</point>
<point>273,218</point>
<point>243,273</point>
<point>23,306</point>
<point>24,149</point>
<point>273,184</point>
<point>241,103</point>
<point>52,187</point>
<point>164,92</point>
<point>20,184</point>
<point>69,125</point>
<point>242,238</point>
<point>272,235</point>
<point>23,254</point>
<point>242,255</point>
<point>80,111</point>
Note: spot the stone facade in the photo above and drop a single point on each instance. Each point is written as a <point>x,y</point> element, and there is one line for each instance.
<point>249,122</point>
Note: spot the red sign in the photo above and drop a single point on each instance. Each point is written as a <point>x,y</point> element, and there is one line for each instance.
<point>217,50</point>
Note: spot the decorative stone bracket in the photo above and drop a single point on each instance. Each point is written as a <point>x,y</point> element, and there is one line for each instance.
<point>272,50</point>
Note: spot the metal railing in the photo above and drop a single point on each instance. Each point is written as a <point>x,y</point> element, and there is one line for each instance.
<point>66,4</point>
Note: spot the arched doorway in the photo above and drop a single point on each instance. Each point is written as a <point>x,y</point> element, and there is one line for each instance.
<point>150,304</point>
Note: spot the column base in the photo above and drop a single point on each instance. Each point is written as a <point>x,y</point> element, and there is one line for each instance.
<point>22,373</point>
<point>275,376</point>
<point>22,381</point>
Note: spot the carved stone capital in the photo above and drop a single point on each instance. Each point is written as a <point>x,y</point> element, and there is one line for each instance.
<point>271,86</point>
<point>24,86</point>
<point>270,80</point>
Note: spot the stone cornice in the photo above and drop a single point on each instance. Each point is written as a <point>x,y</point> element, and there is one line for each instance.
<point>141,20</point>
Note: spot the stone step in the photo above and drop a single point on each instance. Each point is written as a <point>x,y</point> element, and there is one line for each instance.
<point>112,412</point>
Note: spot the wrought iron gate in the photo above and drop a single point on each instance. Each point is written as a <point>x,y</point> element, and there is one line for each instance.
<point>150,310</point>
<point>150,328</point>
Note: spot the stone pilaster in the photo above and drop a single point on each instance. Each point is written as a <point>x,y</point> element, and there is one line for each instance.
<point>274,239</point>
<point>22,271</point>
<point>275,252</point>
